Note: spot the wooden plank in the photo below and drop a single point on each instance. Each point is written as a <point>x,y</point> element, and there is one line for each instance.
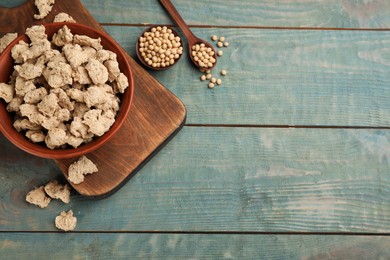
<point>285,77</point>
<point>290,77</point>
<point>290,13</point>
<point>191,246</point>
<point>227,179</point>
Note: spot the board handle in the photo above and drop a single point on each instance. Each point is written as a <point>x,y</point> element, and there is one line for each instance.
<point>18,18</point>
<point>13,4</point>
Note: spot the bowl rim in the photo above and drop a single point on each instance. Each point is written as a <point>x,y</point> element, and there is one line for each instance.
<point>40,150</point>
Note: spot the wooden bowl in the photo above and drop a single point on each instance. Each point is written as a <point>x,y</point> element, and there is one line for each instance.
<point>141,59</point>
<point>6,118</point>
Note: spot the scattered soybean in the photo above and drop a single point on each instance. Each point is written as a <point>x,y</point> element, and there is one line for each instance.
<point>221,42</point>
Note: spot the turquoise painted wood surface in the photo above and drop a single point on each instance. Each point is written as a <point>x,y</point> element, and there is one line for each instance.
<point>229,179</point>
<point>286,77</point>
<point>251,176</point>
<point>290,13</point>
<point>286,13</point>
<point>191,246</point>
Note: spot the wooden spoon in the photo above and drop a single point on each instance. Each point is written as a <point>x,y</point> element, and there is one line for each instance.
<point>191,38</point>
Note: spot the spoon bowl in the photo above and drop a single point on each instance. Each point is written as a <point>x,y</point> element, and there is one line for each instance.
<point>142,58</point>
<point>199,41</point>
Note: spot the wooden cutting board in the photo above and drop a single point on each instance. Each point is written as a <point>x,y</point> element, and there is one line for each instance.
<point>155,116</point>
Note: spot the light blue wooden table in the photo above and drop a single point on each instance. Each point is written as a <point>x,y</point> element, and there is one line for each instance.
<point>288,159</point>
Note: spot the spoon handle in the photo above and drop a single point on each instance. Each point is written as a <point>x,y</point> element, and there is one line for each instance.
<point>170,8</point>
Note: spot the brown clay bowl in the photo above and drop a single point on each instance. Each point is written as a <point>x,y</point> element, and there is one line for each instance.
<point>141,59</point>
<point>6,119</point>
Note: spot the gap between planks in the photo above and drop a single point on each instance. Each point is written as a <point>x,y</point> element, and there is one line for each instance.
<point>251,27</point>
<point>205,233</point>
<point>290,126</point>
